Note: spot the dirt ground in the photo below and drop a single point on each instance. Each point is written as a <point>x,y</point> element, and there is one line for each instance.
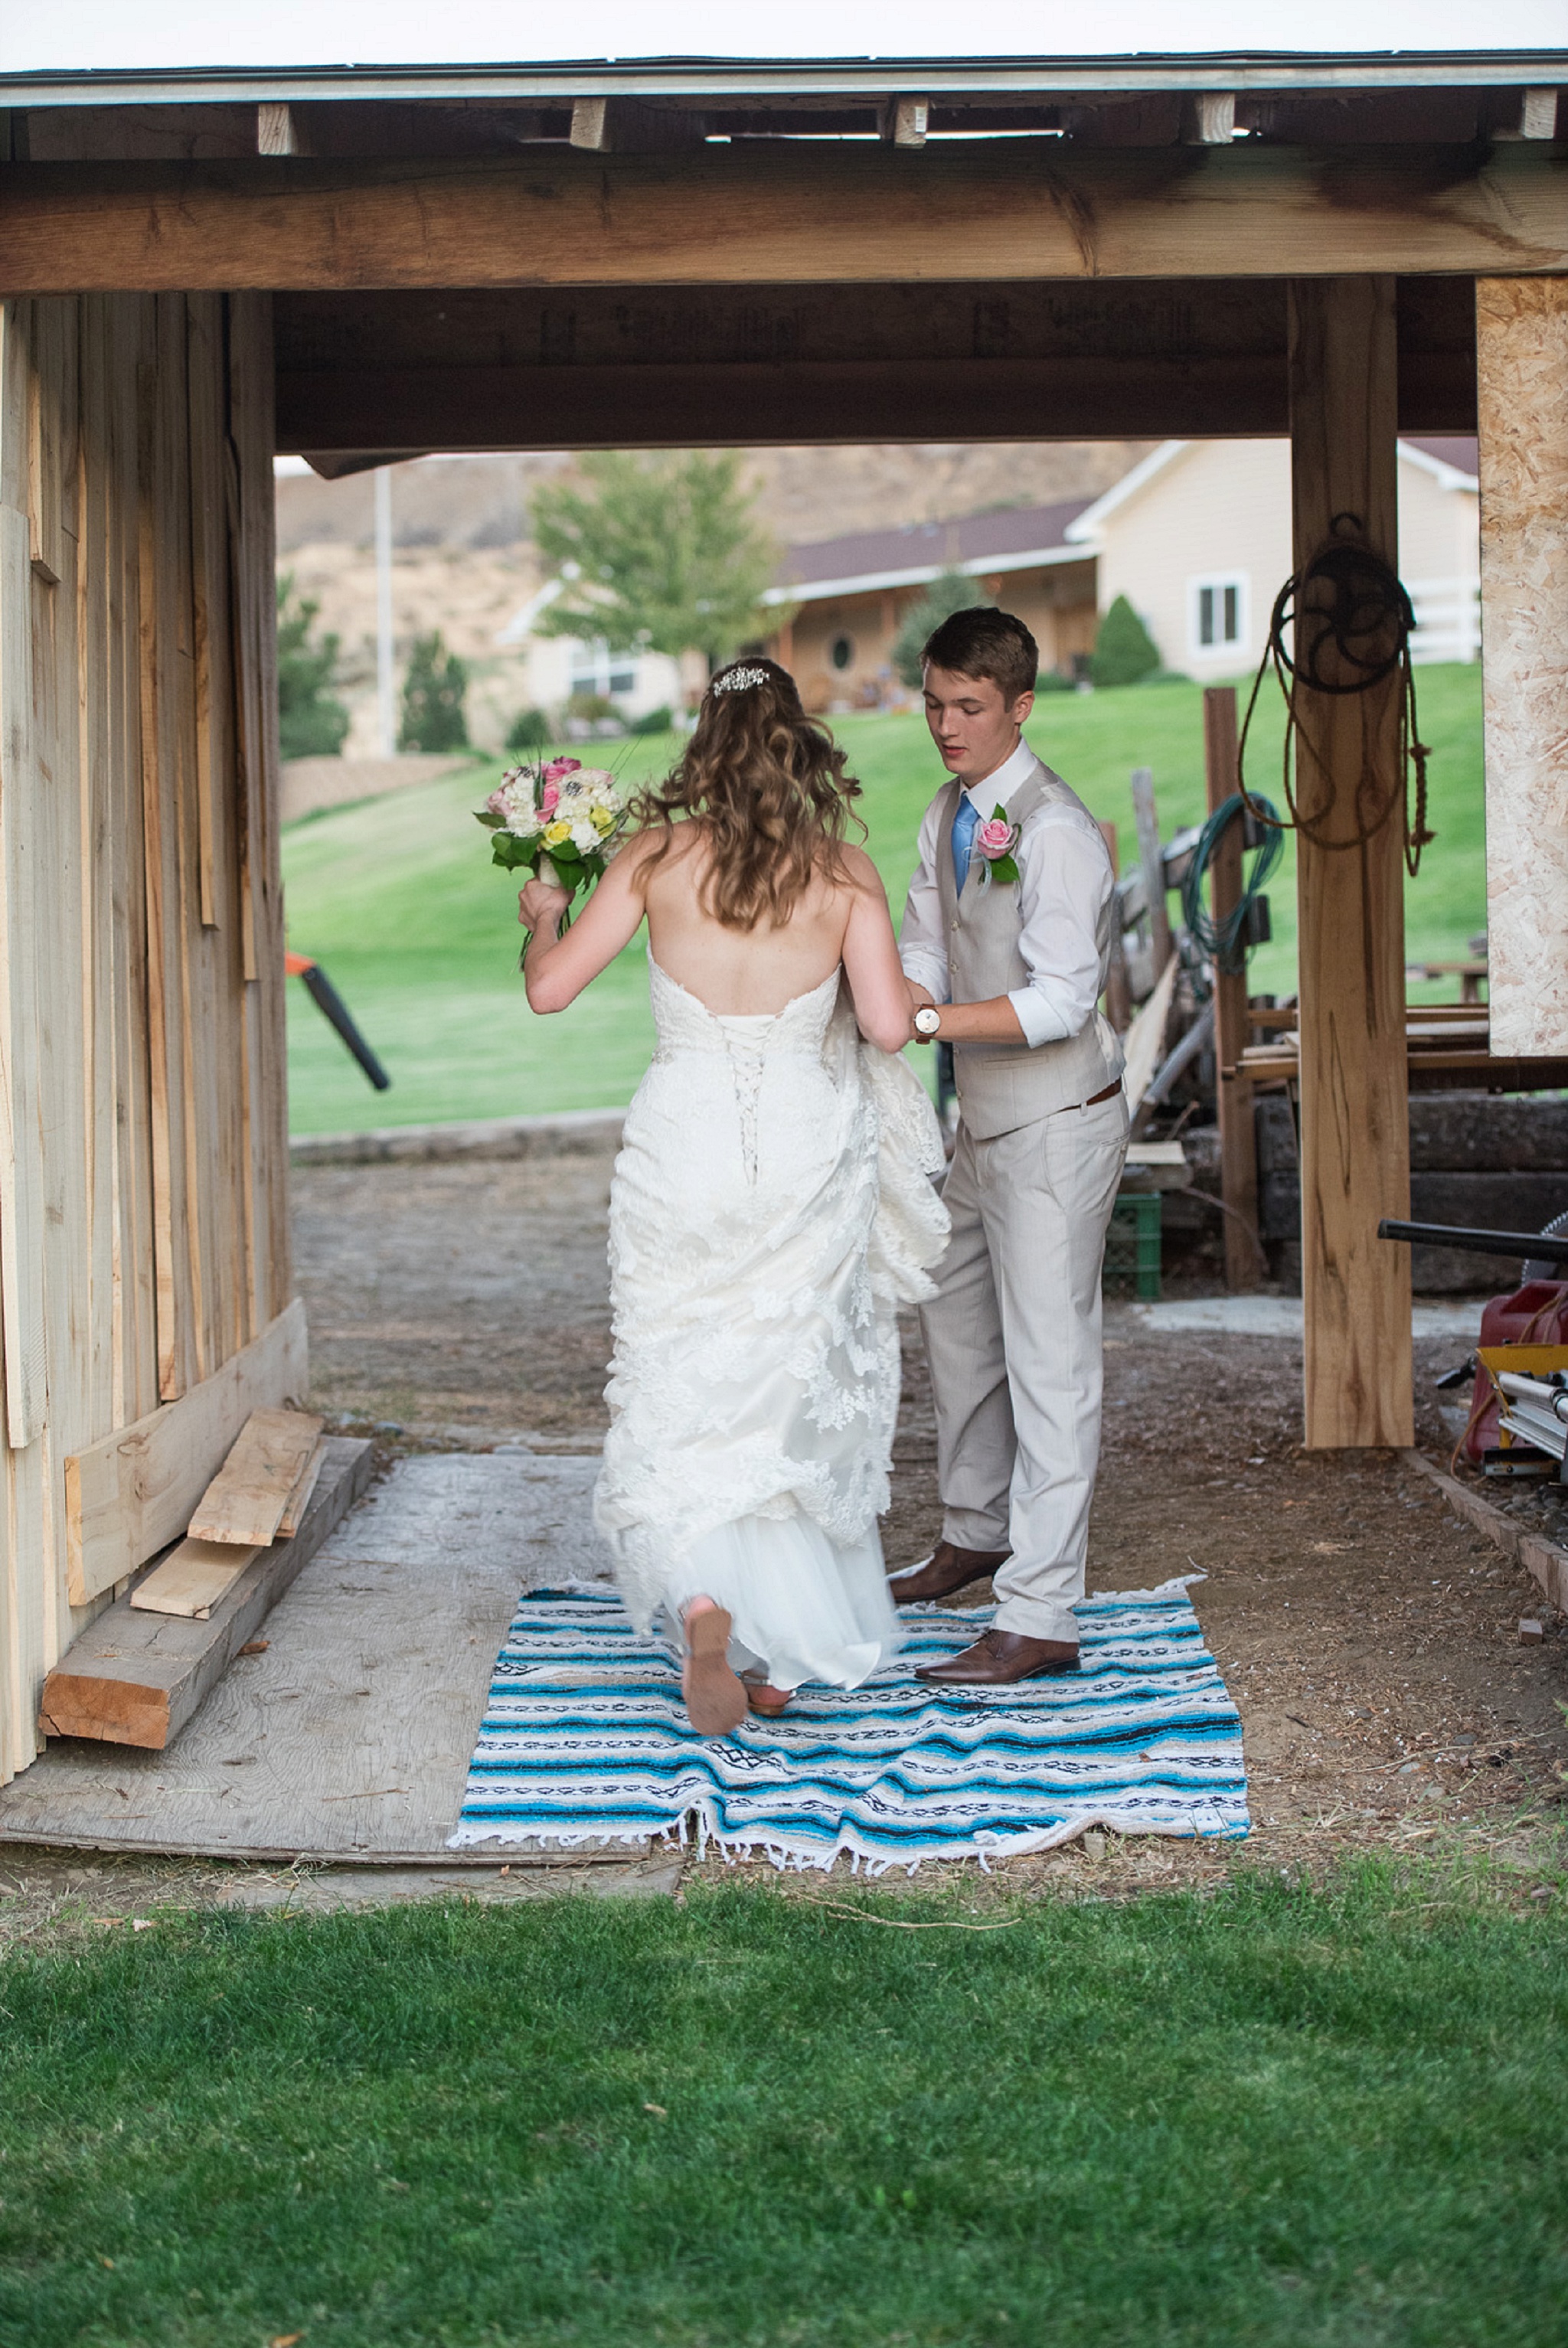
<point>1369,1639</point>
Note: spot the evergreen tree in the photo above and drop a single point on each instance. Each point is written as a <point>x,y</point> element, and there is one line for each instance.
<point>1124,651</point>
<point>661,554</point>
<point>312,721</point>
<point>434,692</point>
<point>949,592</point>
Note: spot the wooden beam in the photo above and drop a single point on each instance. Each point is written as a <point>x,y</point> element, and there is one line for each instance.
<point>1238,1140</point>
<point>689,365</point>
<point>1355,1115</point>
<point>1522,366</point>
<point>132,1494</point>
<point>135,1678</point>
<point>766,211</point>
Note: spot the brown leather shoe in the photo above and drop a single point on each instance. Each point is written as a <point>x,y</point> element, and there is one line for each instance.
<point>999,1658</point>
<point>948,1569</point>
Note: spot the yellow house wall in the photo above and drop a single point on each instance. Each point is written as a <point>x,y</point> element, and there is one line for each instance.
<point>1222,507</point>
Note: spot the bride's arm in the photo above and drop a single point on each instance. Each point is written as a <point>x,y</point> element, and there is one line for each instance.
<point>556,969</point>
<point>883,1006</point>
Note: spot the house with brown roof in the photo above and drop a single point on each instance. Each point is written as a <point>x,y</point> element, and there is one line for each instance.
<point>841,601</point>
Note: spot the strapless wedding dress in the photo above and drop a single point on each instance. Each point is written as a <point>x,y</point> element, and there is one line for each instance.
<point>771,1209</point>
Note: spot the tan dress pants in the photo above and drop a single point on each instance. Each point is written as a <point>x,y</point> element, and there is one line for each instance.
<point>1013,1336</point>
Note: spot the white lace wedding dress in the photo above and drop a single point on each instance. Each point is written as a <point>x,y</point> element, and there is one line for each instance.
<point>771,1209</point>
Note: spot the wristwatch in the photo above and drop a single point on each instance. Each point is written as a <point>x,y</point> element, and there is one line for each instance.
<point>928,1020</point>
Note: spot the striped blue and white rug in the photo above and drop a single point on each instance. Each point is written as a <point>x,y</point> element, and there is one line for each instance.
<point>584,1740</point>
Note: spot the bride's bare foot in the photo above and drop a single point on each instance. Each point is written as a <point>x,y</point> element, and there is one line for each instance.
<point>715,1699</point>
<point>764,1698</point>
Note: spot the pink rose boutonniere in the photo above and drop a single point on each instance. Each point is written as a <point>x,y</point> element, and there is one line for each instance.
<point>995,841</point>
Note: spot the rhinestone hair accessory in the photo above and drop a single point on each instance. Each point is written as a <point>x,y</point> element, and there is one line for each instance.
<point>739,679</point>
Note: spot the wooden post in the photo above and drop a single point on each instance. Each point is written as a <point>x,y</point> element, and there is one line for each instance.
<point>1354,1110</point>
<point>1522,354</point>
<point>1238,1143</point>
<point>1152,864</point>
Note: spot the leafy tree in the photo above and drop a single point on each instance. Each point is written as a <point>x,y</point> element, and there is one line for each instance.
<point>661,554</point>
<point>312,721</point>
<point>434,692</point>
<point>949,592</point>
<point>1124,651</point>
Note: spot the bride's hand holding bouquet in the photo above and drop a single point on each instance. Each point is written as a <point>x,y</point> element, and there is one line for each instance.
<point>559,820</point>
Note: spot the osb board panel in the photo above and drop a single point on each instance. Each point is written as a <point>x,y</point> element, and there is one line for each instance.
<point>139,1038</point>
<point>1521,355</point>
<point>353,1733</point>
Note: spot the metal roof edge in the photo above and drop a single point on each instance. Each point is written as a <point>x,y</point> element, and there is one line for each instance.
<point>921,574</point>
<point>1128,73</point>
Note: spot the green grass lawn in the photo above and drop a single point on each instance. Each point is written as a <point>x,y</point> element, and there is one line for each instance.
<point>1266,2116</point>
<point>399,901</point>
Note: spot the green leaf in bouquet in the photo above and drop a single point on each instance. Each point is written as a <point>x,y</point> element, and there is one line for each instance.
<point>509,852</point>
<point>490,821</point>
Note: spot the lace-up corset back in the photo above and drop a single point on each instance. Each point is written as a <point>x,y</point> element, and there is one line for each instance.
<point>748,1041</point>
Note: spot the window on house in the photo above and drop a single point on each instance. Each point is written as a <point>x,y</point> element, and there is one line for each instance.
<point>841,650</point>
<point>1218,609</point>
<point>596,669</point>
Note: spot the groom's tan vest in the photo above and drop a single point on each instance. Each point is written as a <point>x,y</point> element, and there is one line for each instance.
<point>1003,1085</point>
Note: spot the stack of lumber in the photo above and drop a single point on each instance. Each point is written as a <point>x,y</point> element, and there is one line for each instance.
<point>258,1495</point>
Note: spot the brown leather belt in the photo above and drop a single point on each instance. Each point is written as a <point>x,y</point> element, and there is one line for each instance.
<point>1095,1098</point>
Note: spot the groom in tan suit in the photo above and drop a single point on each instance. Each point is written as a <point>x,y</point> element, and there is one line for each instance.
<point>1006,942</point>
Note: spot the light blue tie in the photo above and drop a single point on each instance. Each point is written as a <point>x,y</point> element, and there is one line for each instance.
<point>965,824</point>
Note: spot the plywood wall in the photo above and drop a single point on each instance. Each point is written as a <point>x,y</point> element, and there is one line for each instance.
<point>143,1238</point>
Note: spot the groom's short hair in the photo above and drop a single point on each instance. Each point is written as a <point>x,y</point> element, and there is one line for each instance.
<point>985,641</point>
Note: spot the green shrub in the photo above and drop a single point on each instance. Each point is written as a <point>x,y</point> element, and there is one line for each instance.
<point>1051,680</point>
<point>529,730</point>
<point>434,692</point>
<point>595,709</point>
<point>652,721</point>
<point>1124,651</point>
<point>312,721</point>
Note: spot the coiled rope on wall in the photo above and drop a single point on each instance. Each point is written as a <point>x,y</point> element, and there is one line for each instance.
<point>1353,622</point>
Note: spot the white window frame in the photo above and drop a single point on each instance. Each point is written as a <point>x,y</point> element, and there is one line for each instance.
<point>1216,582</point>
<point>594,668</point>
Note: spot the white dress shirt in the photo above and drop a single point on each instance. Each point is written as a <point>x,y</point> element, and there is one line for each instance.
<point>1064,881</point>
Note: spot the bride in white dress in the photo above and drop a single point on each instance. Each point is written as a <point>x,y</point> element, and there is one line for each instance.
<point>771,1207</point>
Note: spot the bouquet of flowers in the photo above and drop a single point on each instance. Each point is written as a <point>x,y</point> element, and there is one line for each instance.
<point>556,819</point>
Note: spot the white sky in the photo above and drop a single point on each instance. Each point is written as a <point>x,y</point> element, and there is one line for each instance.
<point>69,34</point>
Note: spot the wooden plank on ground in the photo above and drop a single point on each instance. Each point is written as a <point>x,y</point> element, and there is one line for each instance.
<point>298,1501</point>
<point>130,1494</point>
<point>972,210</point>
<point>245,1500</point>
<point>136,1678</point>
<point>1144,1042</point>
<point>192,1578</point>
<point>1355,1106</point>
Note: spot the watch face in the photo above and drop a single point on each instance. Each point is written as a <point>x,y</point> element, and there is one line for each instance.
<point>927,1021</point>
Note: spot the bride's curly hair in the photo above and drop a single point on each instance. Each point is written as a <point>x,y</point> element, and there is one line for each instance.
<point>767,786</point>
